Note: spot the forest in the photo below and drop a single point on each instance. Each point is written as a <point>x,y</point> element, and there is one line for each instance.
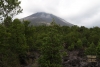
<point>22,44</point>
<point>18,39</point>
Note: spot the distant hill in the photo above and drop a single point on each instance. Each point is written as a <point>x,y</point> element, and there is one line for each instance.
<point>45,18</point>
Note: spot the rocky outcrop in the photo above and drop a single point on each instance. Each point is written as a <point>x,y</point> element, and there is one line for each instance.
<point>77,59</point>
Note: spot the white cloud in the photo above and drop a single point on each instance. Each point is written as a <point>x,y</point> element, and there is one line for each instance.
<point>91,20</point>
<point>80,12</point>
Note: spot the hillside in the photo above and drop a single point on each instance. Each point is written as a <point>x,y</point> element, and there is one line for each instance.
<point>22,45</point>
<point>46,18</point>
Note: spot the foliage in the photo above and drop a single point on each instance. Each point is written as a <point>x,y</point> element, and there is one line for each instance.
<point>79,44</point>
<point>9,8</point>
<point>50,50</point>
<point>98,50</point>
<point>91,50</point>
<point>71,47</point>
<point>17,39</point>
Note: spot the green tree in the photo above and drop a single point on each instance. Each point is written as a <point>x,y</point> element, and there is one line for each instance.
<point>7,57</point>
<point>85,42</point>
<point>98,49</point>
<point>79,44</point>
<point>17,41</point>
<point>7,21</point>
<point>30,36</point>
<point>91,50</point>
<point>9,8</point>
<point>53,23</point>
<point>50,50</point>
<point>71,47</point>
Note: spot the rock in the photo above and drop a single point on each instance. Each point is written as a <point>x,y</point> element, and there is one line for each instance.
<point>76,59</point>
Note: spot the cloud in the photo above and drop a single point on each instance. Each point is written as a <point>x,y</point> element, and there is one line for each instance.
<point>88,19</point>
<point>78,12</point>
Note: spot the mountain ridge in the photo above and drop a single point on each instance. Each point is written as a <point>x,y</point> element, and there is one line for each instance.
<point>45,18</point>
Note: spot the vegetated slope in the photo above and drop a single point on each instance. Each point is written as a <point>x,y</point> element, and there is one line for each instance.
<point>46,18</point>
<point>22,45</point>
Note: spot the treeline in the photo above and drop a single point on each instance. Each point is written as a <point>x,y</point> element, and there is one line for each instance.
<point>17,39</point>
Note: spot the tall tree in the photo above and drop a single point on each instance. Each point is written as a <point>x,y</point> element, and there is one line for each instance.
<point>98,49</point>
<point>17,40</point>
<point>79,44</point>
<point>9,8</point>
<point>50,50</point>
<point>91,50</point>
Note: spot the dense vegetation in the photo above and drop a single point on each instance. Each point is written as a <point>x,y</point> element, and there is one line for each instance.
<point>19,38</point>
<point>9,8</point>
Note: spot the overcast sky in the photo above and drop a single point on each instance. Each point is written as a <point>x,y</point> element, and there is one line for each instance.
<point>78,12</point>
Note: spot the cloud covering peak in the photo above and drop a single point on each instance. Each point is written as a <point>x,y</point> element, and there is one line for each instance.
<point>78,12</point>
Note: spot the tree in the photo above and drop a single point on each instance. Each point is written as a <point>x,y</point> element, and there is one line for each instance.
<point>50,50</point>
<point>17,41</point>
<point>53,23</point>
<point>98,50</point>
<point>7,21</point>
<point>91,50</point>
<point>85,42</point>
<point>79,44</point>
<point>7,57</point>
<point>29,34</point>
<point>71,47</point>
<point>9,8</point>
